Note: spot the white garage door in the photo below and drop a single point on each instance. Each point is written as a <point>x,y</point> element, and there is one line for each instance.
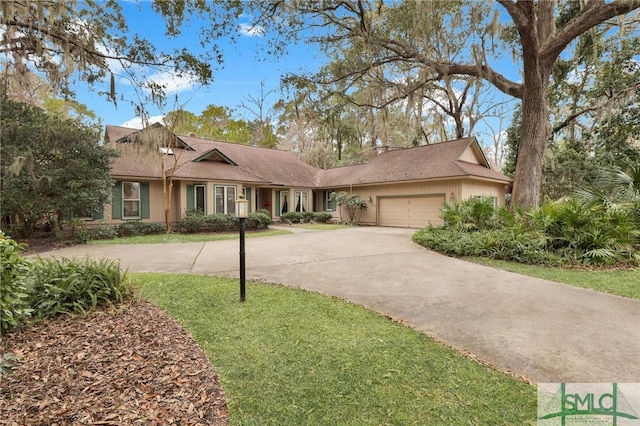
<point>410,212</point>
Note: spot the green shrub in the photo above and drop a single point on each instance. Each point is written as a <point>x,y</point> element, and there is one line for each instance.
<point>471,214</point>
<point>322,217</point>
<point>292,217</point>
<point>192,222</point>
<point>498,244</point>
<point>135,228</point>
<point>79,231</point>
<point>221,222</point>
<point>258,220</point>
<point>307,217</point>
<point>14,307</point>
<point>127,229</point>
<point>353,204</point>
<point>65,286</point>
<point>264,212</point>
<point>567,232</point>
<point>151,228</point>
<point>104,231</point>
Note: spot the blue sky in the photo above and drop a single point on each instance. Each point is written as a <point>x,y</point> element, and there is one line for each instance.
<point>244,69</point>
<point>237,78</point>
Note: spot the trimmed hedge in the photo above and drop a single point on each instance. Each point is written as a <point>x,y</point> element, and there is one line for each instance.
<point>306,217</point>
<point>194,222</point>
<point>135,228</point>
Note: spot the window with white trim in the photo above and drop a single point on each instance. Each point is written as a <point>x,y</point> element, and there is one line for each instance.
<point>301,201</point>
<point>494,199</point>
<point>225,199</point>
<point>131,200</point>
<point>330,201</point>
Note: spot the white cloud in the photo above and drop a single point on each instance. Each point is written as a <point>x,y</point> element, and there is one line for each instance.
<point>173,83</point>
<point>136,122</point>
<point>251,30</point>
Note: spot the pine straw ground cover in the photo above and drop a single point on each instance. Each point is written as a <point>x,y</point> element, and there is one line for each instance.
<point>127,365</point>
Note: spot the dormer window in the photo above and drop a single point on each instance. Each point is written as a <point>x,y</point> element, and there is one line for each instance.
<point>166,151</point>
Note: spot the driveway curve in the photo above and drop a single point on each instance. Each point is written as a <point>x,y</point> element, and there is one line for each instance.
<point>537,329</point>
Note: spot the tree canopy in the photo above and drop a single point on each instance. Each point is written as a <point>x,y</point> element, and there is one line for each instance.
<point>219,123</point>
<point>420,43</point>
<point>90,40</point>
<point>51,167</point>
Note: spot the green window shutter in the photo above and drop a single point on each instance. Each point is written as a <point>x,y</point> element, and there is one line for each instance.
<point>190,198</point>
<point>116,201</point>
<point>278,203</point>
<point>144,200</point>
<point>324,201</point>
<point>248,195</point>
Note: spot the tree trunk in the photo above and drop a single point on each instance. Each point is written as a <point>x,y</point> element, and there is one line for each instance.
<point>527,181</point>
<point>535,131</point>
<point>167,188</point>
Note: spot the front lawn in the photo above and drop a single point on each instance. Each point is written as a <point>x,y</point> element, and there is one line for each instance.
<point>292,357</point>
<point>187,238</point>
<point>623,282</point>
<point>322,226</point>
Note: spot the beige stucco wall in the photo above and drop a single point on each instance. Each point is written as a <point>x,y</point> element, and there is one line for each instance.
<point>474,187</point>
<point>453,190</point>
<point>469,156</point>
<point>156,203</point>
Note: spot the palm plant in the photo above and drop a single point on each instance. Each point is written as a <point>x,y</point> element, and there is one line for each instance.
<point>473,214</point>
<point>614,186</point>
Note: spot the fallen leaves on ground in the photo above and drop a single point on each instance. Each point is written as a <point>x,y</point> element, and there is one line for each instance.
<point>125,365</point>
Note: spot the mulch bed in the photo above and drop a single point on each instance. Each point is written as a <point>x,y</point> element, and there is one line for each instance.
<point>125,365</point>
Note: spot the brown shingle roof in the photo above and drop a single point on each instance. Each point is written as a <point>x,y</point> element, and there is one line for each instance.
<point>425,162</point>
<point>254,164</point>
<point>243,163</point>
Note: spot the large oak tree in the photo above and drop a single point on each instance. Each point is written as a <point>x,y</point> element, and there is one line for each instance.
<point>425,36</point>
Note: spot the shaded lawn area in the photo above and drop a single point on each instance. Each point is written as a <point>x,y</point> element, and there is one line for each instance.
<point>188,238</point>
<point>291,357</point>
<point>622,282</point>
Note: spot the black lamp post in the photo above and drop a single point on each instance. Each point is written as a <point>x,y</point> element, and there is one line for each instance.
<point>242,213</point>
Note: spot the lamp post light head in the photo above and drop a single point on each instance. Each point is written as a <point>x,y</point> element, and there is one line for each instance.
<point>242,207</point>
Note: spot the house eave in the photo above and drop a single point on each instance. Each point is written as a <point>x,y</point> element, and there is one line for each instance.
<point>424,180</point>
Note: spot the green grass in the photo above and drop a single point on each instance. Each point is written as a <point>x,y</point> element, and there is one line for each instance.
<point>625,282</point>
<point>293,357</point>
<point>323,226</point>
<point>187,238</point>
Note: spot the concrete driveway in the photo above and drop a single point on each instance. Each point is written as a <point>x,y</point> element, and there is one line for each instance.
<point>543,331</point>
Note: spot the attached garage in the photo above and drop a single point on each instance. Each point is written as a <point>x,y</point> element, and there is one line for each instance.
<point>410,212</point>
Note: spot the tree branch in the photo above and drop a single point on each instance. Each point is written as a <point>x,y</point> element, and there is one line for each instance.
<point>444,69</point>
<point>77,44</point>
<point>595,13</point>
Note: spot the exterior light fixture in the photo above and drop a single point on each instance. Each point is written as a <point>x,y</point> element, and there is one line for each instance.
<point>242,211</point>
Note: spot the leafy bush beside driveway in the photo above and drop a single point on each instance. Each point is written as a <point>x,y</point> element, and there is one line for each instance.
<point>564,232</point>
<point>14,307</point>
